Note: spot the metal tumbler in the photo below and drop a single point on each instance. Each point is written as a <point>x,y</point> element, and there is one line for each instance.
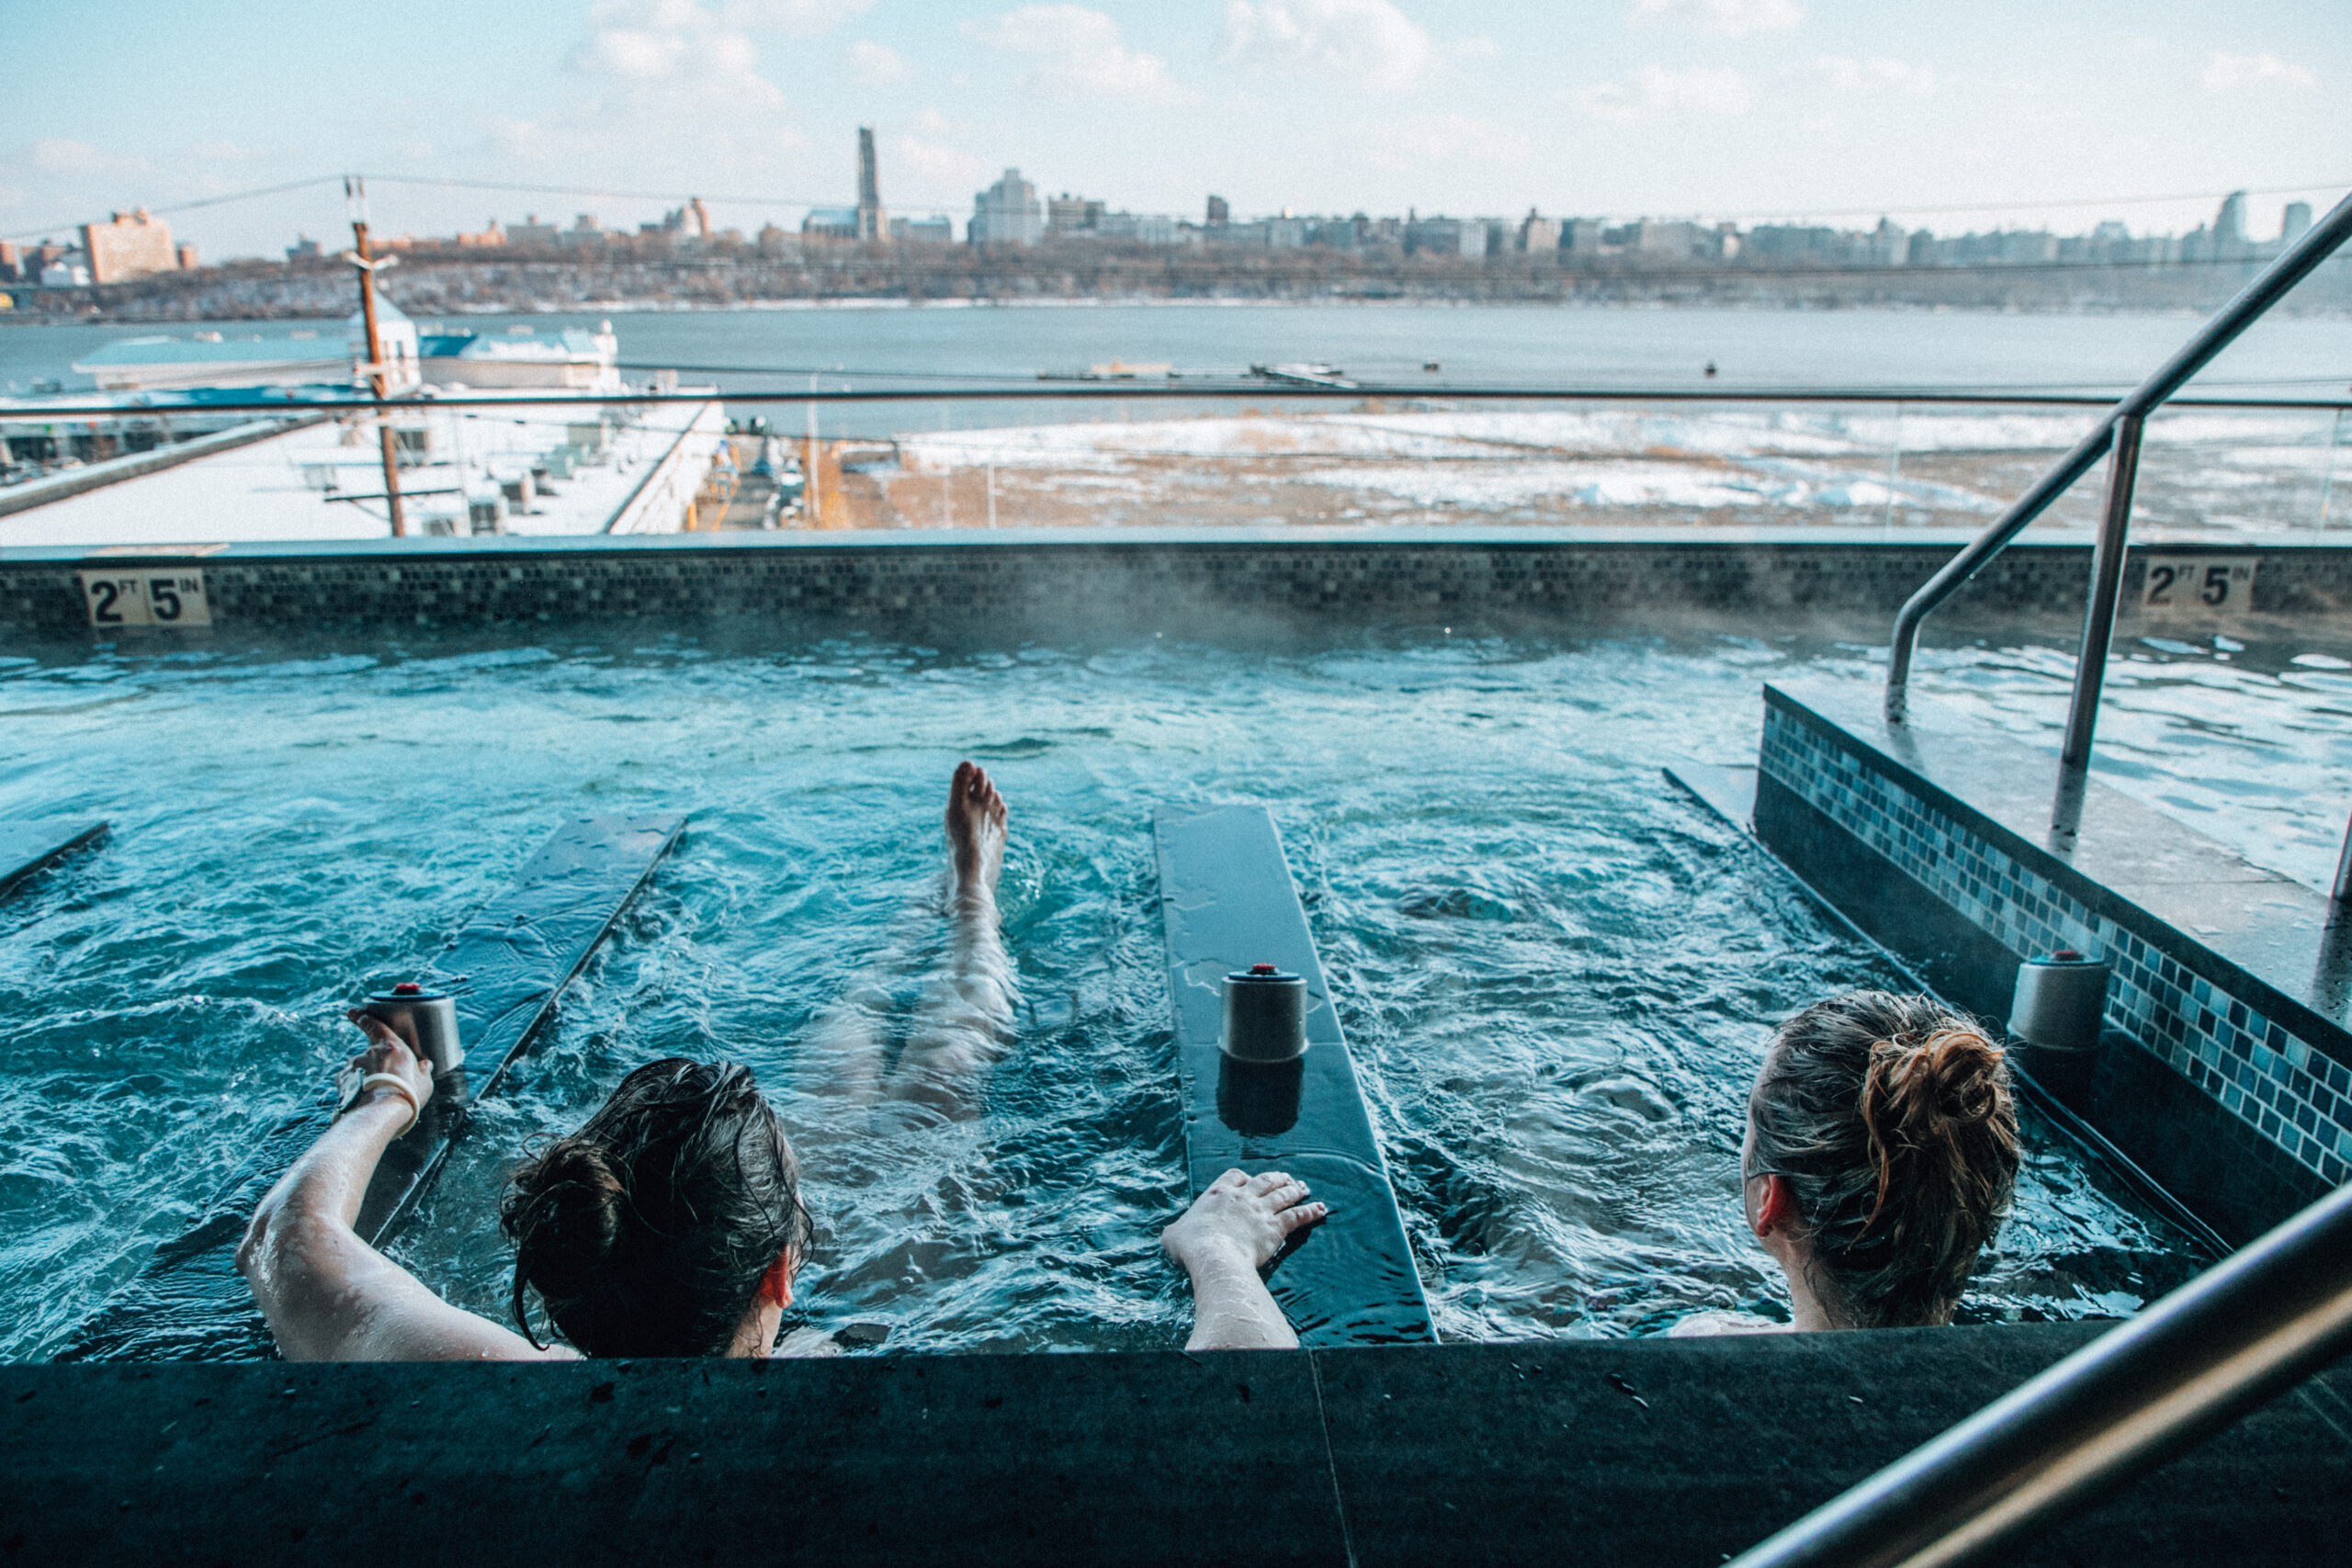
<point>432,1014</point>
<point>1265,1015</point>
<point>2055,1014</point>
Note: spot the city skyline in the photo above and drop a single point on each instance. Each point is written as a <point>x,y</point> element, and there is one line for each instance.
<point>1722,110</point>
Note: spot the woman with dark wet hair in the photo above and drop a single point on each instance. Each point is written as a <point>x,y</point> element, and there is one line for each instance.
<point>670,1222</point>
<point>1880,1154</point>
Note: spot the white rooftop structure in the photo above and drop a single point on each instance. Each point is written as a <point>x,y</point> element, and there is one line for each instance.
<point>473,472</point>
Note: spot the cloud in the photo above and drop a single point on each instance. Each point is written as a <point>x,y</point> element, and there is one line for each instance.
<point>877,65</point>
<point>804,19</point>
<point>1865,75</point>
<point>1369,43</point>
<point>2227,73</point>
<point>1655,93</point>
<point>1079,53</point>
<point>933,166</point>
<point>1417,140</point>
<point>642,41</point>
<point>63,155</point>
<point>1477,46</point>
<point>1732,18</point>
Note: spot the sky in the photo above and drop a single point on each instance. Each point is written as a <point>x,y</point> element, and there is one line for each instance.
<point>2022,112</point>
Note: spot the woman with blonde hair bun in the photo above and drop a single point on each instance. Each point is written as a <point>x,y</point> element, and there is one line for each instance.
<point>1881,1154</point>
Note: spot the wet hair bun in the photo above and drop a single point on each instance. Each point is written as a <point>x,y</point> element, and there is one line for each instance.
<point>1893,1119</point>
<point>649,1230</point>
<point>578,1195</point>
<point>1952,1080</point>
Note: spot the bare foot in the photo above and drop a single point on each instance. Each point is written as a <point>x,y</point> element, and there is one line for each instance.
<point>976,831</point>
<point>1241,1217</point>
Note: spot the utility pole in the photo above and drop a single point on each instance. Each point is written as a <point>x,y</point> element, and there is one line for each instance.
<point>355,191</point>
<point>814,500</point>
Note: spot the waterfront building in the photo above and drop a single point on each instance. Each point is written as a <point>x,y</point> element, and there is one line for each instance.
<point>873,224</point>
<point>2294,222</point>
<point>566,358</point>
<point>1582,236</point>
<point>936,230</point>
<point>1538,236</point>
<point>298,358</point>
<point>1444,237</point>
<point>1067,214</point>
<point>531,234</point>
<point>1007,213</point>
<point>1219,214</point>
<point>128,245</point>
<point>2229,226</point>
<point>829,223</point>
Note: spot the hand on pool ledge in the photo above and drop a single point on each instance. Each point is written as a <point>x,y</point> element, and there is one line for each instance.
<point>1231,1231</point>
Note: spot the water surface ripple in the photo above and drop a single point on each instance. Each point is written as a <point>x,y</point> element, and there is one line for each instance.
<point>1559,975</point>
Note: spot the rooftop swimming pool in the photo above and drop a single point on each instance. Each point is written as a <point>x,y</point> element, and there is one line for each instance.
<point>1557,974</point>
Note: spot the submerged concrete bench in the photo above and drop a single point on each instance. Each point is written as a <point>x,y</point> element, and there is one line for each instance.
<point>1225,894</point>
<point>506,968</point>
<point>29,845</point>
<point>1624,1452</point>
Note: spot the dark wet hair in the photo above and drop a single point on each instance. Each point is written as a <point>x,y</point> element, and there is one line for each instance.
<point>648,1232</point>
<point>1891,1119</point>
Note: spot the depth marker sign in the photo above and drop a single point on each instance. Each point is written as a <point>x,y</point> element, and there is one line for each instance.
<point>171,596</point>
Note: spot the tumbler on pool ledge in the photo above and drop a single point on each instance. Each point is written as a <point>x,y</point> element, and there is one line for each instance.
<point>433,1014</point>
<point>1265,1015</point>
<point>2055,1016</point>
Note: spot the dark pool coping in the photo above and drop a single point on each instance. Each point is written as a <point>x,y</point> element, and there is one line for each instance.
<point>1227,900</point>
<point>29,845</point>
<point>1109,539</point>
<point>2236,924</point>
<point>1631,1452</point>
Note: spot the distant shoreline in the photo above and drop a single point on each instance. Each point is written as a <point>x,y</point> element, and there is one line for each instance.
<point>2330,312</point>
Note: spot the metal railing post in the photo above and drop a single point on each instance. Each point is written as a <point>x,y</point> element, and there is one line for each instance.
<point>2295,264</point>
<point>2107,588</point>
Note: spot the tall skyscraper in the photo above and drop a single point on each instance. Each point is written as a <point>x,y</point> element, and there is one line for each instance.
<point>873,224</point>
<point>2295,222</point>
<point>2228,224</point>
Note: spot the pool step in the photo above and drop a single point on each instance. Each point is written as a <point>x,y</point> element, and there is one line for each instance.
<point>506,968</point>
<point>1227,895</point>
<point>27,845</point>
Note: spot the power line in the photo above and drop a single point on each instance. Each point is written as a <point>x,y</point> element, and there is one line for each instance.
<point>184,206</point>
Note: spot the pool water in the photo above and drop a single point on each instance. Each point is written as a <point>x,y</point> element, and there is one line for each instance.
<point>1557,974</point>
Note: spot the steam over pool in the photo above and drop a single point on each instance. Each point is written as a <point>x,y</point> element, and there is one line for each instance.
<point>1558,975</point>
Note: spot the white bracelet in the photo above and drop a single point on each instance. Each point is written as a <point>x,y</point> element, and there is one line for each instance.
<point>398,1085</point>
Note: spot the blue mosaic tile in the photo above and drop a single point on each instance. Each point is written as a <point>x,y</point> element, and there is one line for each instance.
<point>2254,1066</point>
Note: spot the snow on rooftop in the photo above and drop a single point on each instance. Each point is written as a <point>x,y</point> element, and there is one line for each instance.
<point>276,488</point>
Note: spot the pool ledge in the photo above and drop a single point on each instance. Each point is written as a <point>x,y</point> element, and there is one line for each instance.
<point>1631,1452</point>
<point>2235,1088</point>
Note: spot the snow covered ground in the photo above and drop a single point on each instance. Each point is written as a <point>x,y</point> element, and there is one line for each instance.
<point>2204,471</point>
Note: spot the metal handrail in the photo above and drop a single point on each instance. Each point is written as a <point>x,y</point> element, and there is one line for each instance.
<point>2293,265</point>
<point>2238,1336</point>
<point>1091,391</point>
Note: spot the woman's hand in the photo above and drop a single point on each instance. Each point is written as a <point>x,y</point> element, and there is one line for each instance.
<point>394,1051</point>
<point>1249,1217</point>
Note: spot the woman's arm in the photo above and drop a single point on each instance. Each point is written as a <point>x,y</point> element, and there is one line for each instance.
<point>1231,1231</point>
<point>328,1295</point>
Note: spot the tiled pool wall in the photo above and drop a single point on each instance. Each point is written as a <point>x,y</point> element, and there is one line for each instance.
<point>910,583</point>
<point>2234,1094</point>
